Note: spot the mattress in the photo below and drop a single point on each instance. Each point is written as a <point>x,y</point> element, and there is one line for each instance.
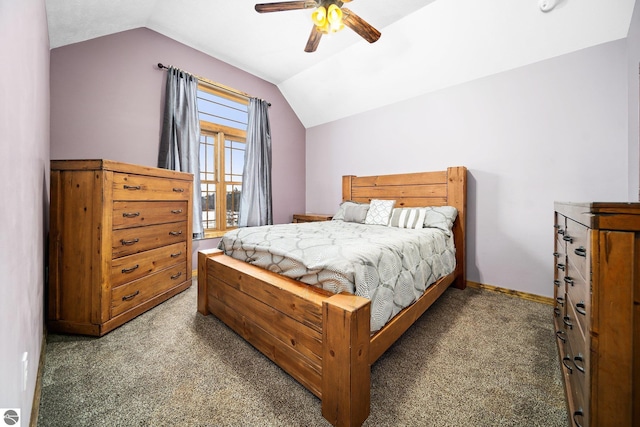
<point>390,266</point>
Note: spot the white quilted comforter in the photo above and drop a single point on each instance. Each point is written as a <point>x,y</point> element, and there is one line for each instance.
<point>390,266</point>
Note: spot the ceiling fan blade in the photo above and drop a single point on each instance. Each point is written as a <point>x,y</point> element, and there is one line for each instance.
<point>360,26</point>
<point>285,5</point>
<point>314,40</point>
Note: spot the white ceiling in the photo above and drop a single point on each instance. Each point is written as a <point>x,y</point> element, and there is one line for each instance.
<point>426,45</point>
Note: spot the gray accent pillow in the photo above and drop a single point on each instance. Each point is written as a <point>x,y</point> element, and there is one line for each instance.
<point>339,216</point>
<point>441,217</point>
<point>356,213</point>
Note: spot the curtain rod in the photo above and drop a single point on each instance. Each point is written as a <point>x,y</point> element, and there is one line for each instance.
<point>218,85</point>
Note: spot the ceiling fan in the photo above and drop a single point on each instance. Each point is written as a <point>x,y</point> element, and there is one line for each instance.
<point>329,17</point>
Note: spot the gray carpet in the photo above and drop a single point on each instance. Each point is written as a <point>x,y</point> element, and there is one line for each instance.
<point>476,358</point>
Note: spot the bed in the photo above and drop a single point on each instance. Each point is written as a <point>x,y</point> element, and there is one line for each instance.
<point>324,339</point>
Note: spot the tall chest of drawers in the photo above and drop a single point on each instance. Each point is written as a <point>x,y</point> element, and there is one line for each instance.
<point>119,242</point>
<point>597,311</point>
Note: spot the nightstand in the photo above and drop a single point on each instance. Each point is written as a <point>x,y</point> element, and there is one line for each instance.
<point>311,217</point>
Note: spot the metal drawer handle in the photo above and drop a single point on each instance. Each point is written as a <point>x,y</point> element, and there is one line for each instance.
<point>179,190</point>
<point>569,280</point>
<point>130,297</point>
<point>559,335</point>
<point>556,311</point>
<point>130,214</point>
<point>561,267</point>
<point>175,276</point>
<point>129,270</point>
<point>131,187</point>
<point>581,251</point>
<point>581,308</point>
<point>580,359</point>
<point>557,283</point>
<point>560,301</point>
<point>129,242</point>
<point>175,233</point>
<point>567,321</point>
<point>561,231</point>
<point>556,254</point>
<point>176,255</point>
<point>577,413</point>
<point>567,239</point>
<point>176,211</point>
<point>565,361</point>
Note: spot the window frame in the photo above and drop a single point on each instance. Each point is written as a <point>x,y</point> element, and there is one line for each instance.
<point>220,133</point>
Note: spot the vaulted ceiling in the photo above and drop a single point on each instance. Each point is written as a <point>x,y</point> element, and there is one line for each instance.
<point>426,45</point>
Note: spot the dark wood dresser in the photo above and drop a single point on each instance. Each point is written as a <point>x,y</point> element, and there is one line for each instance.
<point>119,242</point>
<point>597,311</point>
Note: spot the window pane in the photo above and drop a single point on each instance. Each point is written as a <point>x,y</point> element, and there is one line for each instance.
<point>233,204</point>
<point>234,160</point>
<point>223,111</point>
<point>207,158</point>
<point>227,164</point>
<point>208,205</point>
<point>202,157</point>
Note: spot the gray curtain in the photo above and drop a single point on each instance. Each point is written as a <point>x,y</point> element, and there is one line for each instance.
<point>180,140</point>
<point>255,202</point>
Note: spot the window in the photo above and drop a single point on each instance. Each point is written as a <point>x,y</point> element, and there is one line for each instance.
<point>223,133</point>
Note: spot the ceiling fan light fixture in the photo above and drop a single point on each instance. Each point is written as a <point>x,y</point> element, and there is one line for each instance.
<point>334,16</point>
<point>319,17</point>
<point>328,20</point>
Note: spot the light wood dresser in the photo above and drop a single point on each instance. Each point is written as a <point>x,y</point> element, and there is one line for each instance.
<point>119,242</point>
<point>597,311</point>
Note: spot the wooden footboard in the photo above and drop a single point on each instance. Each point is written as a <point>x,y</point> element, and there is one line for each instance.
<point>320,338</point>
<point>323,339</point>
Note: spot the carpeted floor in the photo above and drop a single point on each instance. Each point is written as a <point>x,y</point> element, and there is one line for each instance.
<point>476,358</point>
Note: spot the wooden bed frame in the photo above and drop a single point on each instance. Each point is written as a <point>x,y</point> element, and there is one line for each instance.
<point>320,338</point>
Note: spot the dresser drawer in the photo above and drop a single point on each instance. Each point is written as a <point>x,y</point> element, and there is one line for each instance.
<point>559,222</point>
<point>132,267</point>
<point>559,256</point>
<point>559,287</point>
<point>578,405</point>
<point>578,247</point>
<point>141,187</point>
<point>577,288</point>
<point>561,335</point>
<point>135,293</point>
<point>580,313</point>
<point>559,309</point>
<point>135,214</point>
<point>130,241</point>
<point>575,374</point>
<point>579,339</point>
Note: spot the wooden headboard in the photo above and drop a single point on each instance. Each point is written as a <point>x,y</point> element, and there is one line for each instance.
<point>439,188</point>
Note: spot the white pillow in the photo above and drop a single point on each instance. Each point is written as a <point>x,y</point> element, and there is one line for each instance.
<point>408,218</point>
<point>379,212</point>
<point>441,217</point>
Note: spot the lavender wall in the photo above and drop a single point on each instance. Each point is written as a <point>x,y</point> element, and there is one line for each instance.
<point>24,186</point>
<point>554,130</point>
<point>106,102</point>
